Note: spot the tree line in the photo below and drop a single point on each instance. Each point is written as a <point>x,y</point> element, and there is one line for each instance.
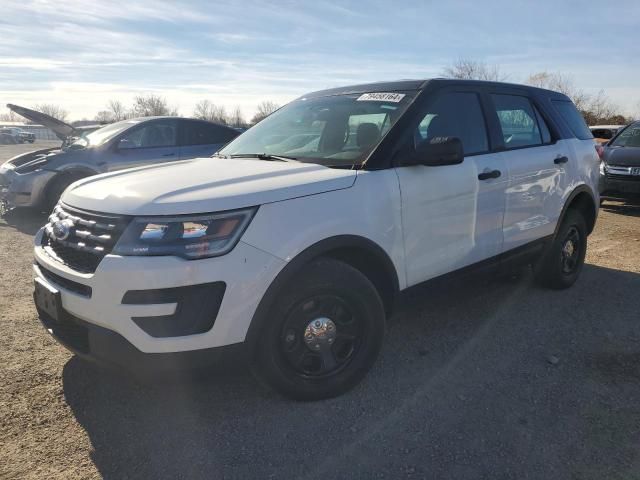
<point>596,109</point>
<point>154,105</point>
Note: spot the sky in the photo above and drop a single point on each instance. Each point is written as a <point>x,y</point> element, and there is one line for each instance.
<point>80,54</point>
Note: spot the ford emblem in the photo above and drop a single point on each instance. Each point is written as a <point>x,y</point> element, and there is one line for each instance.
<point>62,229</point>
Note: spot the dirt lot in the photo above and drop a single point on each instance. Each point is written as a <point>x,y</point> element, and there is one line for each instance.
<point>494,380</point>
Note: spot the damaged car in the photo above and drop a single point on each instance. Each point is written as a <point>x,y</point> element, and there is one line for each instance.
<point>38,178</point>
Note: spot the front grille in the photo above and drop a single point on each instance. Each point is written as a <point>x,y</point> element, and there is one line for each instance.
<point>65,283</point>
<point>90,238</point>
<point>624,178</point>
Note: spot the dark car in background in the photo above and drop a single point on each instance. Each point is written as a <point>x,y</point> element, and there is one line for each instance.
<point>37,179</point>
<point>19,135</point>
<point>620,167</point>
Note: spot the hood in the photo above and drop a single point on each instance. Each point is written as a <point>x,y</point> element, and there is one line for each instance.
<point>61,129</point>
<point>26,159</point>
<point>203,185</point>
<point>623,156</point>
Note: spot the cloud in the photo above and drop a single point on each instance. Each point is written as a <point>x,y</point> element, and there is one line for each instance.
<point>82,53</point>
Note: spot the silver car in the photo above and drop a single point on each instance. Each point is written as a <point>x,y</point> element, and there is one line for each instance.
<point>37,179</point>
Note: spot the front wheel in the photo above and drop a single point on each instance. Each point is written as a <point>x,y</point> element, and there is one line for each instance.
<point>323,333</point>
<point>562,263</point>
<point>56,188</point>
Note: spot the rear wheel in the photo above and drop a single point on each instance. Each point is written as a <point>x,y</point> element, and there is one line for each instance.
<point>562,263</point>
<point>323,333</point>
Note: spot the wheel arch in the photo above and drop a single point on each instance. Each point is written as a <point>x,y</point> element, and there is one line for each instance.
<point>583,200</point>
<point>359,252</point>
<point>71,171</point>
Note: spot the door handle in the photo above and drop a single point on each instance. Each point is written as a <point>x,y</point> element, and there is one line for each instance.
<point>559,160</point>
<point>168,155</point>
<point>489,174</point>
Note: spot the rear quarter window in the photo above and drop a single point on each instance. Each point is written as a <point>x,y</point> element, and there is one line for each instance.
<point>573,118</point>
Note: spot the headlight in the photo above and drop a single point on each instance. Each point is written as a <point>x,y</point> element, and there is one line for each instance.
<point>190,237</point>
<point>603,168</point>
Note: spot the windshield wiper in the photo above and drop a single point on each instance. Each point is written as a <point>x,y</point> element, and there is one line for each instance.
<point>265,156</point>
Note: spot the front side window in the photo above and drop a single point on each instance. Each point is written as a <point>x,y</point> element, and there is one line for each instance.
<point>332,130</point>
<point>456,114</point>
<point>518,121</point>
<point>630,137</point>
<point>152,135</point>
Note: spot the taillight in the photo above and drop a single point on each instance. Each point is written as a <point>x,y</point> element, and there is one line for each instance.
<point>600,150</point>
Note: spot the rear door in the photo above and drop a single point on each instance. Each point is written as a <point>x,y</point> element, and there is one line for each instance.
<point>203,139</point>
<point>537,166</point>
<point>153,141</point>
<point>452,215</point>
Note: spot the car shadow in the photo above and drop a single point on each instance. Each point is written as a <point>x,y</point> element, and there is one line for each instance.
<point>468,368</point>
<point>25,220</point>
<point>622,208</point>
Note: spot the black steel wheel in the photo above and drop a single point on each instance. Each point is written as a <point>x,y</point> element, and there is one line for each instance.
<point>563,260</point>
<point>322,334</point>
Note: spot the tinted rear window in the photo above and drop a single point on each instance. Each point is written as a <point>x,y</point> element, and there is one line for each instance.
<point>574,119</point>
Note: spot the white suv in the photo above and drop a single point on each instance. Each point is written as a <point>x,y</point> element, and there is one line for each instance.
<point>294,242</point>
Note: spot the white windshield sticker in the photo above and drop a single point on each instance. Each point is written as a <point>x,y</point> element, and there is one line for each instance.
<point>381,97</point>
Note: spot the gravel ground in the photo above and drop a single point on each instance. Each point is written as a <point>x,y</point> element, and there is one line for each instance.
<point>495,380</point>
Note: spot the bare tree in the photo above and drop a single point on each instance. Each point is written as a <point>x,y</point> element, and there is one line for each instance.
<point>207,110</point>
<point>236,119</point>
<point>474,70</point>
<point>54,111</point>
<point>104,116</point>
<point>560,83</point>
<point>117,110</point>
<point>10,116</point>
<point>265,109</point>
<point>151,106</point>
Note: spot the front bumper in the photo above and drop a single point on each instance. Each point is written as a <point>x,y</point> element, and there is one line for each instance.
<point>624,186</point>
<point>23,190</point>
<point>246,272</point>
<point>108,348</point>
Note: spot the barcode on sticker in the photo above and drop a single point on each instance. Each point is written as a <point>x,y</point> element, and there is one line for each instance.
<point>381,97</point>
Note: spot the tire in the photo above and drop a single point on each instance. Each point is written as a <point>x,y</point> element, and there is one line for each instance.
<point>56,188</point>
<point>322,333</point>
<point>560,266</point>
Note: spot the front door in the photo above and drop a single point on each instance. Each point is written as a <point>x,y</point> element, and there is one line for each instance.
<point>152,142</point>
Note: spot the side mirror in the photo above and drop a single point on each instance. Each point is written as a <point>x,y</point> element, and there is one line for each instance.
<point>437,151</point>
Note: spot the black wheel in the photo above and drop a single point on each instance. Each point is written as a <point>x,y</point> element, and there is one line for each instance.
<point>562,263</point>
<point>322,334</point>
<point>56,188</point>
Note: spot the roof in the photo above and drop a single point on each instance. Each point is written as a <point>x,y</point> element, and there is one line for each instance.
<point>397,85</point>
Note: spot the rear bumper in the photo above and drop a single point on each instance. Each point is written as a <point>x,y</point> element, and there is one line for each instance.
<point>110,349</point>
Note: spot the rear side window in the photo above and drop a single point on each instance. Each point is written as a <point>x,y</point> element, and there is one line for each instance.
<point>574,119</point>
<point>456,114</point>
<point>201,133</point>
<point>520,122</point>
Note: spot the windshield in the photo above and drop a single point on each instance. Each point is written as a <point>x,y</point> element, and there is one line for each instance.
<point>332,130</point>
<point>630,137</point>
<point>101,135</point>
